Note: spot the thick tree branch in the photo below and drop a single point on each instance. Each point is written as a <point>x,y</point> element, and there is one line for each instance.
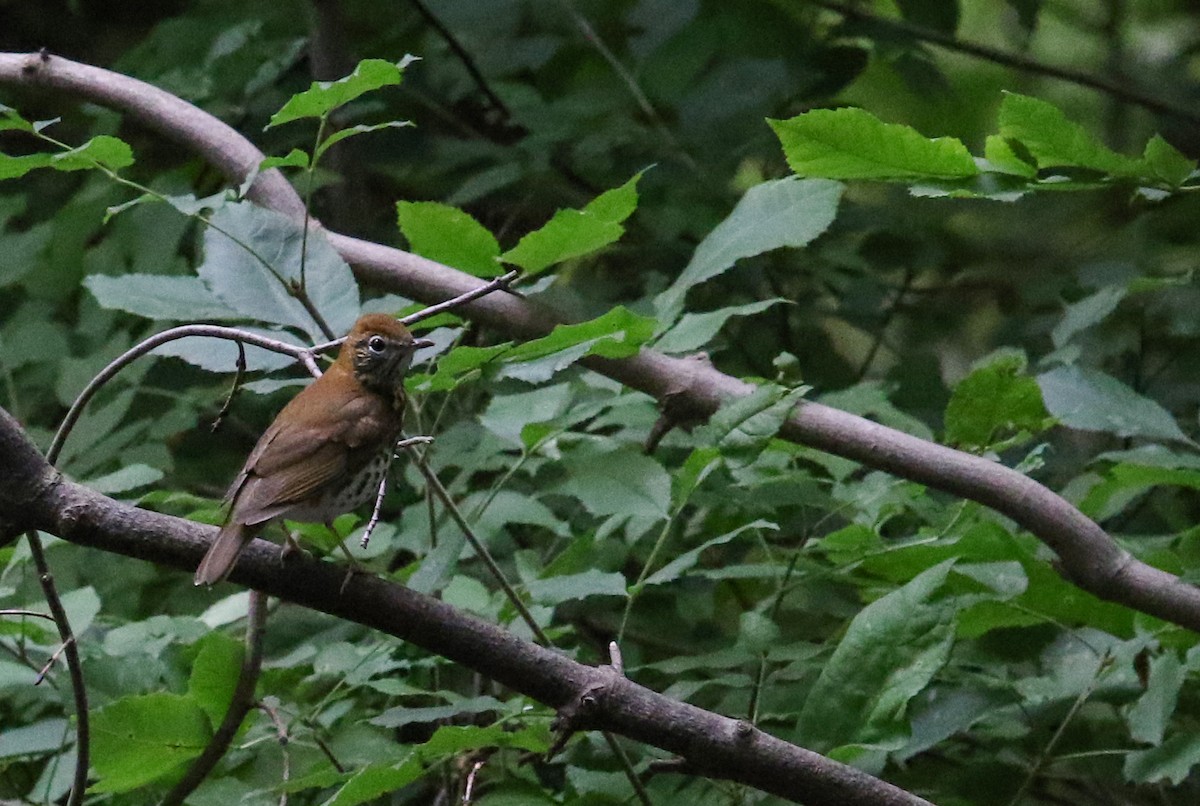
<point>38,497</point>
<point>1088,557</point>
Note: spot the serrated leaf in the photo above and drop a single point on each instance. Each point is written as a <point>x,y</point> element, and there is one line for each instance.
<point>1086,313</point>
<point>995,397</point>
<point>1092,401</point>
<point>375,780</point>
<point>11,120</point>
<point>1172,760</point>
<point>1166,163</point>
<point>1056,142</point>
<point>851,143</point>
<point>890,652</point>
<point>784,212</point>
<point>574,233</point>
<point>1004,158</point>
<point>130,477</point>
<point>354,131</point>
<point>743,426</point>
<point>323,97</point>
<point>155,296</point>
<point>623,481</point>
<point>1149,716</point>
<point>293,159</point>
<point>215,673</point>
<point>406,714</point>
<point>16,167</point>
<point>450,236</point>
<point>260,292</point>
<point>105,150</point>
<point>139,739</point>
<point>686,561</point>
<point>694,330</point>
<point>574,587</point>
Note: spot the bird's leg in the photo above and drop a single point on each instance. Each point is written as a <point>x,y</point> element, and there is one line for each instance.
<point>291,545</point>
<point>355,566</point>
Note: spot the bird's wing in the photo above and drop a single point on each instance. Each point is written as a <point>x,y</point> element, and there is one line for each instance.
<point>299,457</point>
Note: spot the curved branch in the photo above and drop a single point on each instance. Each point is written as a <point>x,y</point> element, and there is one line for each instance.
<point>38,497</point>
<point>1088,557</point>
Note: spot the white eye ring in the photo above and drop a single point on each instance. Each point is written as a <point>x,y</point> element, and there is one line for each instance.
<point>376,344</point>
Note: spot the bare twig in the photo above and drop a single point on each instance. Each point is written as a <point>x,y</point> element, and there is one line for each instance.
<point>233,390</point>
<point>1013,60</point>
<point>45,670</point>
<point>30,613</point>
<point>281,734</point>
<point>239,705</point>
<point>74,669</point>
<point>467,60</point>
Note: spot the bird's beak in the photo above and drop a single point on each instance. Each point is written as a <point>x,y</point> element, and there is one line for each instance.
<point>419,344</point>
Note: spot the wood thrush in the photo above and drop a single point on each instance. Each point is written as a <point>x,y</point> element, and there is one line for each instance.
<point>328,449</point>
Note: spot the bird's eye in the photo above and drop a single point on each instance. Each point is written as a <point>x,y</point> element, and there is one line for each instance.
<point>376,344</point>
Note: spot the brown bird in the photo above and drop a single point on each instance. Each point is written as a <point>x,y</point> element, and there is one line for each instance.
<point>328,449</point>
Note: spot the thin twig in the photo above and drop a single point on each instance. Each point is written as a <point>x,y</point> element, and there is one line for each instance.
<point>1013,60</point>
<point>74,668</point>
<point>480,549</point>
<point>32,613</point>
<point>239,705</point>
<point>301,354</point>
<point>45,670</point>
<point>240,372</point>
<point>463,56</point>
<point>495,284</point>
<point>282,735</point>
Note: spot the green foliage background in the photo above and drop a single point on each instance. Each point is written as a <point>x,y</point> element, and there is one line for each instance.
<point>1033,302</point>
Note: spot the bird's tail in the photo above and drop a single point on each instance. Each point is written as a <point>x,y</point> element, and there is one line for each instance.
<point>223,553</point>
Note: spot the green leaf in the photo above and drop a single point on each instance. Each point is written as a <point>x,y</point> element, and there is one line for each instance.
<point>450,236</point>
<point>1004,158</point>
<point>155,296</point>
<point>45,736</point>
<point>11,120</point>
<point>215,674</point>
<point>574,587</point>
<point>294,159</point>
<point>103,150</point>
<point>688,560</point>
<point>1149,716</point>
<point>130,477</point>
<point>453,740</point>
<point>1087,313</point>
<point>139,739</point>
<point>324,96</point>
<point>261,292</point>
<point>784,212</point>
<point>1166,163</point>
<point>406,714</point>
<point>619,333</point>
<point>573,233</point>
<point>355,131</point>
<point>16,167</point>
<point>621,481</point>
<point>375,780</point>
<point>1055,141</point>
<point>890,653</point>
<point>743,426</point>
<point>995,397</point>
<point>1124,482</point>
<point>851,143</point>
<point>694,330</point>
<point>1089,400</point>
<point>1172,760</point>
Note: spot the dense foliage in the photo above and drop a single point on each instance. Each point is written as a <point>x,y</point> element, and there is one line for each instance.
<point>825,202</point>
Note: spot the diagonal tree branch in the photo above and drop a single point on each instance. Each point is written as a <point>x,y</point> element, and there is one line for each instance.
<point>38,497</point>
<point>1088,557</point>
